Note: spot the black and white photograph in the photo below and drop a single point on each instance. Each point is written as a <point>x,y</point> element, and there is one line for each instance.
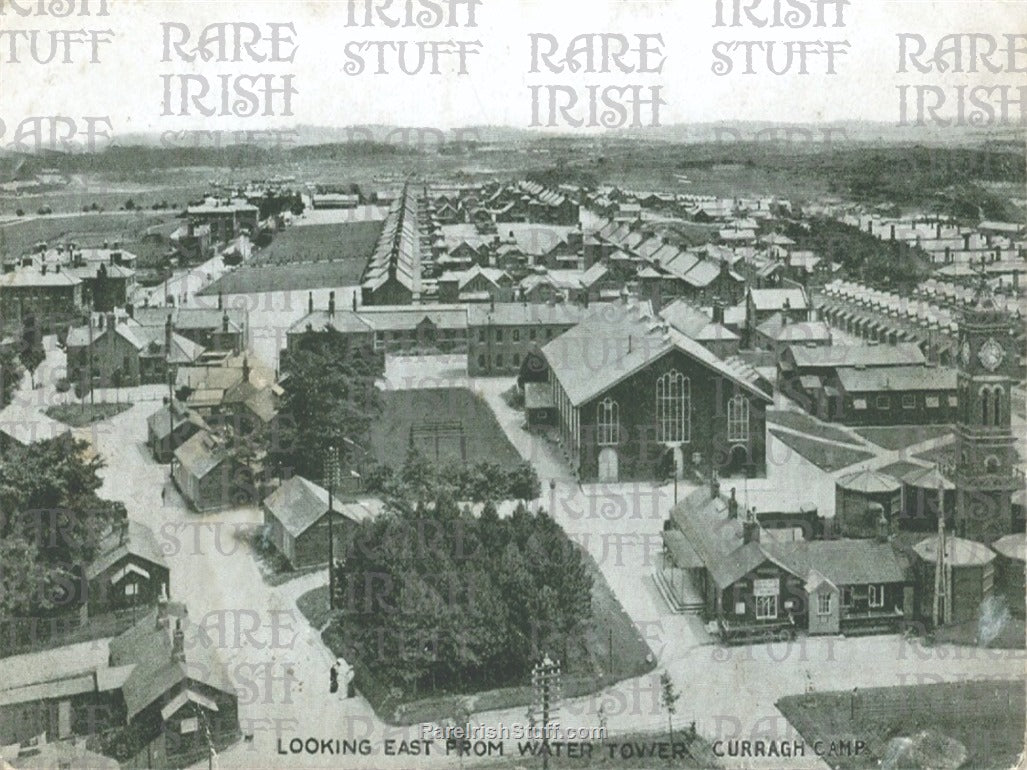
<point>509,384</point>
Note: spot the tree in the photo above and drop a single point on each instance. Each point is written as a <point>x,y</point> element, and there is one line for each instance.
<point>522,482</point>
<point>51,525</point>
<point>331,401</point>
<point>668,699</point>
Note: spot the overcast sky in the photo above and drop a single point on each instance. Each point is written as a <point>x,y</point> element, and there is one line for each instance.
<point>127,83</point>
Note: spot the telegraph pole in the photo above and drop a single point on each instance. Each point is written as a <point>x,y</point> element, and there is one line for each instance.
<point>331,470</point>
<point>545,681</point>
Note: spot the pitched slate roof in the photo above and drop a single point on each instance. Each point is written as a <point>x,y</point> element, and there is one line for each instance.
<point>607,347</point>
<point>148,647</point>
<point>853,355</point>
<point>201,454</point>
<point>777,328</point>
<point>774,299</point>
<point>159,423</point>
<point>299,504</point>
<point>844,562</point>
<point>694,323</point>
<point>138,540</point>
<point>717,544</point>
<point>897,378</point>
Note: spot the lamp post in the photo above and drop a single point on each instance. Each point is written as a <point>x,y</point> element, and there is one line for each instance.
<point>331,469</point>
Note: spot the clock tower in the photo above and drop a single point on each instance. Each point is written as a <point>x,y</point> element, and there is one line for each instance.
<point>985,463</point>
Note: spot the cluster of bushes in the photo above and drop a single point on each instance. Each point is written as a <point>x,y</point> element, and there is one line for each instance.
<point>433,599</point>
<point>421,479</point>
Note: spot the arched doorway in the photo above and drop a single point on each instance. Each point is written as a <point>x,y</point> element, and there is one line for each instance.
<point>737,460</point>
<point>608,464</point>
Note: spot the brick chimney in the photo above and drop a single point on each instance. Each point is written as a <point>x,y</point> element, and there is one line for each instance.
<point>224,322</point>
<point>331,304</point>
<point>178,643</point>
<point>750,528</point>
<point>310,302</point>
<point>732,505</point>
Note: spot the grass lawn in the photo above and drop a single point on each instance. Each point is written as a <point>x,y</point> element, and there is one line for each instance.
<point>85,229</point>
<point>827,457</point>
<point>943,454</point>
<point>809,425</point>
<point>80,415</point>
<point>987,717</point>
<point>902,436</point>
<point>587,666</point>
<point>344,241</point>
<point>435,418</point>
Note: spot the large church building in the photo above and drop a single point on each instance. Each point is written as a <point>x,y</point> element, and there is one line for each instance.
<point>635,399</point>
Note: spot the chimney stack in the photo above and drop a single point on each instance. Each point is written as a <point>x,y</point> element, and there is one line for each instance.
<point>714,486</point>
<point>162,614</point>
<point>732,505</point>
<point>310,302</point>
<point>750,528</point>
<point>178,643</point>
<point>331,304</point>
<point>224,322</point>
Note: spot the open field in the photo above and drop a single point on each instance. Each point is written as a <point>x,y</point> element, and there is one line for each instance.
<point>902,436</point>
<point>346,241</point>
<point>809,425</point>
<point>986,717</point>
<point>446,424</point>
<point>20,236</point>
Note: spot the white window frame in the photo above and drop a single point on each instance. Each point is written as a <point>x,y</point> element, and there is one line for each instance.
<point>770,607</point>
<point>876,596</point>
<point>932,402</point>
<point>821,608</point>
<point>131,588</point>
<point>885,399</point>
<point>859,403</point>
<point>673,408</point>
<point>738,418</point>
<point>953,401</point>
<point>189,725</point>
<point>909,401</point>
<point>608,422</point>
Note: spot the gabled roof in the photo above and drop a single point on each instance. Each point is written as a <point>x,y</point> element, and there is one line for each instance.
<point>778,328</point>
<point>606,348</point>
<point>694,323</point>
<point>845,562</point>
<point>147,647</point>
<point>775,299</point>
<point>201,454</point>
<point>299,504</point>
<point>852,355</point>
<point>137,540</point>
<point>896,378</point>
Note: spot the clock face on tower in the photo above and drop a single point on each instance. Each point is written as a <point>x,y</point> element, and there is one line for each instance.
<point>991,355</point>
<point>964,353</point>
